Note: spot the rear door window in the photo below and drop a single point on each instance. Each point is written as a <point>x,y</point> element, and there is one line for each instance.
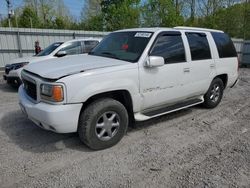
<point>170,47</point>
<point>89,45</point>
<point>199,46</point>
<point>224,45</point>
<point>73,48</point>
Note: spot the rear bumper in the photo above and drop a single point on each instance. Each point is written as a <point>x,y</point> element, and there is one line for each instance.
<point>56,118</point>
<point>235,83</point>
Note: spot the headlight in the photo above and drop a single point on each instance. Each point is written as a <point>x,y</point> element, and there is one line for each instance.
<point>19,65</point>
<point>52,93</point>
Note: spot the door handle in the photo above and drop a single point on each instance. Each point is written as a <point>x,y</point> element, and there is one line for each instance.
<point>212,66</point>
<point>186,70</point>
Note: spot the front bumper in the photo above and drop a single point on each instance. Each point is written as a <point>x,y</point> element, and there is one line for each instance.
<point>56,118</point>
<point>13,77</point>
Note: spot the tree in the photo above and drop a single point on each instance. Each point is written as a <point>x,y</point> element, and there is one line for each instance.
<point>161,13</point>
<point>91,8</point>
<point>93,23</point>
<point>91,16</point>
<point>119,14</point>
<point>234,20</point>
<point>34,4</point>
<point>28,18</point>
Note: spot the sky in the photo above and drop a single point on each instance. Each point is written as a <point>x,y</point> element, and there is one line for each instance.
<point>75,6</point>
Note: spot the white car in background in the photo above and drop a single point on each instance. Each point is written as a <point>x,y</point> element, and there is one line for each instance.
<point>58,49</point>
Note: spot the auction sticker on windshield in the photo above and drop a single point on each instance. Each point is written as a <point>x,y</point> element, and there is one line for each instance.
<point>144,35</point>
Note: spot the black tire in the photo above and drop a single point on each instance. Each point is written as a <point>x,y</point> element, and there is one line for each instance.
<point>87,127</point>
<point>209,101</point>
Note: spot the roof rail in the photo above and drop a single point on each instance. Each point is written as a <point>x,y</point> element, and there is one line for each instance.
<point>197,28</point>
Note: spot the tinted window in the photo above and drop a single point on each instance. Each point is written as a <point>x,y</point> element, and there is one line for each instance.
<point>127,46</point>
<point>49,49</point>
<point>89,45</point>
<point>73,48</point>
<point>199,46</point>
<point>224,45</point>
<point>170,47</point>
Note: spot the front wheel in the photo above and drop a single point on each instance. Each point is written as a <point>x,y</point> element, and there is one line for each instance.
<point>214,94</point>
<point>103,123</point>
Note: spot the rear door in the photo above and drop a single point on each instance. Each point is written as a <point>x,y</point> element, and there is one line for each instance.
<point>201,65</point>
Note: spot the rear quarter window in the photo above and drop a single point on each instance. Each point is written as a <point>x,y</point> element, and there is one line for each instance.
<point>224,45</point>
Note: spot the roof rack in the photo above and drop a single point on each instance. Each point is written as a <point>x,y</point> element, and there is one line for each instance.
<point>198,29</point>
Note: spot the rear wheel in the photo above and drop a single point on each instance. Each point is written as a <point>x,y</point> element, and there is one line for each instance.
<point>214,94</point>
<point>103,123</point>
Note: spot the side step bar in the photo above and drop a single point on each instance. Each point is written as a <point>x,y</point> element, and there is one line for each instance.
<point>167,109</point>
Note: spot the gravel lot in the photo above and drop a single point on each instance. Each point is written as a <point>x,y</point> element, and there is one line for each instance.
<point>194,147</point>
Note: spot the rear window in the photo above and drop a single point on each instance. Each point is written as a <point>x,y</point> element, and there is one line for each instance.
<point>224,45</point>
<point>199,46</point>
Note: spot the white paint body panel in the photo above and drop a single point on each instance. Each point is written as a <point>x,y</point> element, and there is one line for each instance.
<point>84,77</point>
<point>63,118</point>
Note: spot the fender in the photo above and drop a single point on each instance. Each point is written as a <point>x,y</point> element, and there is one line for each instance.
<point>81,87</point>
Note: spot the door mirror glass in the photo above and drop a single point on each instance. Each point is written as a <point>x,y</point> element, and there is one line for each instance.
<point>61,53</point>
<point>154,61</point>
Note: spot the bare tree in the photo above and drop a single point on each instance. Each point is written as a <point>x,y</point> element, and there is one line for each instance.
<point>90,8</point>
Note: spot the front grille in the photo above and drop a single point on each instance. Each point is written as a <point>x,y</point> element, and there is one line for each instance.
<point>30,88</point>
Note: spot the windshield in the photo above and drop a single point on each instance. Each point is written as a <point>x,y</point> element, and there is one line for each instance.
<point>127,46</point>
<point>50,49</point>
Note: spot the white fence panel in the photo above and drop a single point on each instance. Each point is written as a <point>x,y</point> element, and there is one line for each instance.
<point>19,42</point>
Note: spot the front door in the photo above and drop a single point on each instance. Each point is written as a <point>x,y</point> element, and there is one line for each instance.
<point>162,85</point>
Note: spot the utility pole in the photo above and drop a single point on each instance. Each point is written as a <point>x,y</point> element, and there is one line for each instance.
<point>10,11</point>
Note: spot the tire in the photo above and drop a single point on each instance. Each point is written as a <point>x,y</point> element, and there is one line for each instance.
<point>103,123</point>
<point>214,94</point>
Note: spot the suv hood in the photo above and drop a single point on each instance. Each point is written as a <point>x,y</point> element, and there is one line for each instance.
<point>60,67</point>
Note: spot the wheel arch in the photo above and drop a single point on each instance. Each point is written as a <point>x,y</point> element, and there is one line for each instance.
<point>224,78</point>
<point>123,96</point>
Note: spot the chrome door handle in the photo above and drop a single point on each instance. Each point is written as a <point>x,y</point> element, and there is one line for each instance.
<point>186,70</point>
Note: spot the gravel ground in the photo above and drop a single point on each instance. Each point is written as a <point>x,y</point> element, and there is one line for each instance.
<point>194,147</point>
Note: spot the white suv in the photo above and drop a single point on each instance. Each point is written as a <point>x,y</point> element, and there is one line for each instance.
<point>133,74</point>
<point>58,49</point>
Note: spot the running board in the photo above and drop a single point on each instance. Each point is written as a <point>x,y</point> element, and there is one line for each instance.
<point>166,110</point>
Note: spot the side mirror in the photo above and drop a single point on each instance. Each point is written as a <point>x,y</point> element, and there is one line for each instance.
<point>154,61</point>
<point>61,53</point>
